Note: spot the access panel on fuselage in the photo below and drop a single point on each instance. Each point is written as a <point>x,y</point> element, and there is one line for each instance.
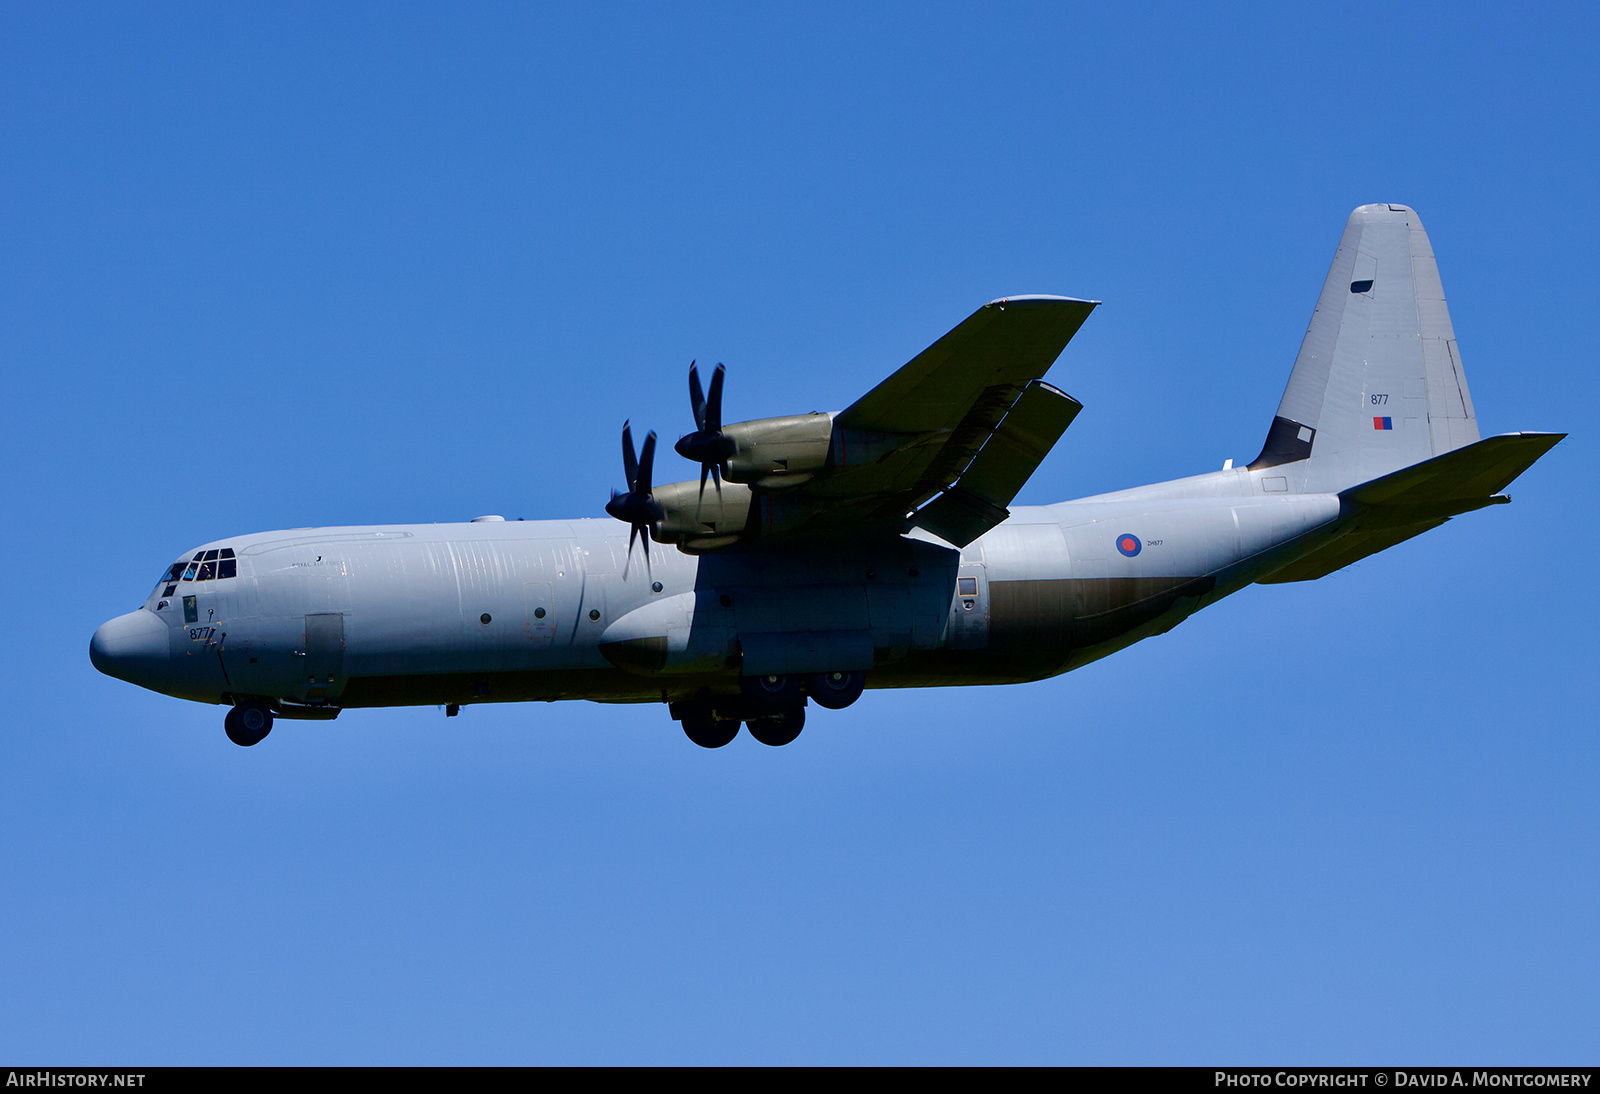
<point>323,657</point>
<point>969,609</point>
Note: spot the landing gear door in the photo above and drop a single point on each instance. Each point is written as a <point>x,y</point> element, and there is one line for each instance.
<point>323,676</point>
<point>969,607</point>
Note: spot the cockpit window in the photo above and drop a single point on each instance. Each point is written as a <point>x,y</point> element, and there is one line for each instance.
<point>205,566</point>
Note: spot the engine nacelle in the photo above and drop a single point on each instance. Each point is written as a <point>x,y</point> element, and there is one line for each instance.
<point>702,519</point>
<point>778,452</point>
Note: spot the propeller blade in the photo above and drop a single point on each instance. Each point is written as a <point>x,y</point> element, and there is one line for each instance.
<point>630,468</point>
<point>638,530</point>
<point>710,420</point>
<point>647,459</point>
<point>697,401</point>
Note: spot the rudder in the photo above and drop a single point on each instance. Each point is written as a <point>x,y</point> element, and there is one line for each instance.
<point>1378,384</point>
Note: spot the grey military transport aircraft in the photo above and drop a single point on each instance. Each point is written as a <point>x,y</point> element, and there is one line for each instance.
<point>873,547</point>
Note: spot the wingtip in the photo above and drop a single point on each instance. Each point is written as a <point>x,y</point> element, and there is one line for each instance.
<point>1038,298</point>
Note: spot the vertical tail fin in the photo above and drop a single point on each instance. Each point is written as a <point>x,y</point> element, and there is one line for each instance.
<point>1378,384</point>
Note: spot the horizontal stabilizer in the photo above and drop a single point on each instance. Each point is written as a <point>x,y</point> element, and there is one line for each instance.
<point>1351,547</point>
<point>1477,470</point>
<point>1408,502</point>
<point>978,500</point>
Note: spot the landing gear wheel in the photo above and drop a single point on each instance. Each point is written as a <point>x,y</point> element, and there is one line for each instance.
<point>770,693</point>
<point>707,730</point>
<point>247,725</point>
<point>777,729</point>
<point>835,690</point>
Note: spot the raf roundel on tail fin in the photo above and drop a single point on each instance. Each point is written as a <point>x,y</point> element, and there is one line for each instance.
<point>1378,384</point>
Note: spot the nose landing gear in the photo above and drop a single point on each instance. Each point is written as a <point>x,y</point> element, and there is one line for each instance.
<point>247,724</point>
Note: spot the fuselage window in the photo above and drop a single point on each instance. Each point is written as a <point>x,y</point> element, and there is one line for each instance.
<point>968,586</point>
<point>228,567</point>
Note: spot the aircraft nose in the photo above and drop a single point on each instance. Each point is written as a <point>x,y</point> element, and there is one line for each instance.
<point>133,647</point>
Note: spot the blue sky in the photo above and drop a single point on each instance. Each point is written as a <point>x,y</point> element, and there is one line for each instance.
<point>322,264</point>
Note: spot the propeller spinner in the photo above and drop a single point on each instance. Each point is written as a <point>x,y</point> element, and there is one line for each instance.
<point>707,446</point>
<point>638,506</point>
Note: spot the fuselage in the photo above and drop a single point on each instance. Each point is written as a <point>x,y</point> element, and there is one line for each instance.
<point>498,611</point>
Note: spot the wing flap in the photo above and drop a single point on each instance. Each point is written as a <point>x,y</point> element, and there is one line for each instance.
<point>978,500</point>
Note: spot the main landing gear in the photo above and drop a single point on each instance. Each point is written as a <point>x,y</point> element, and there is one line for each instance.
<point>772,708</point>
<point>247,724</point>
<point>835,690</point>
<point>777,729</point>
<point>708,727</point>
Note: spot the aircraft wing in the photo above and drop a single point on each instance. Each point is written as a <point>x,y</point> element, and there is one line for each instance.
<point>916,433</point>
<point>973,374</point>
<point>912,438</point>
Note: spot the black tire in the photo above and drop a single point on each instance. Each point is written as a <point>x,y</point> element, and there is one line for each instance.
<point>835,690</point>
<point>771,693</point>
<point>777,729</point>
<point>247,725</point>
<point>708,730</point>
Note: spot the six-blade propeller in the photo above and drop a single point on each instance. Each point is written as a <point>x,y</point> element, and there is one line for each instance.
<point>707,446</point>
<point>638,506</point>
